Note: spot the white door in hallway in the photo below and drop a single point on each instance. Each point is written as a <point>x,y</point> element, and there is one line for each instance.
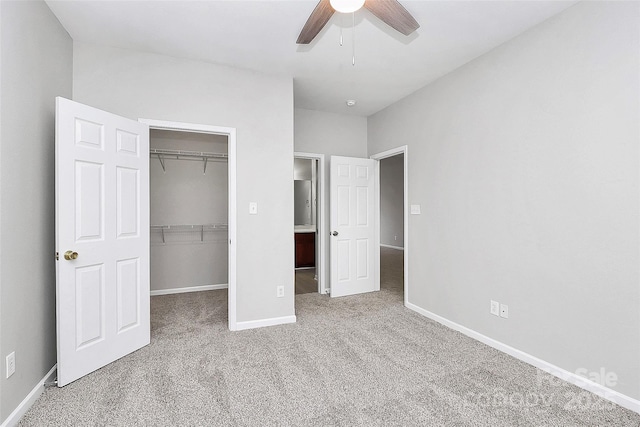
<point>102,238</point>
<point>355,253</point>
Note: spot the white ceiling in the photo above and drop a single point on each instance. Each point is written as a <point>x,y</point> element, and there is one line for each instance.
<point>261,35</point>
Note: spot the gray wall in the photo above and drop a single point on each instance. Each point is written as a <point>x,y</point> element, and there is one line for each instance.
<point>184,194</point>
<point>36,67</point>
<point>136,84</point>
<point>329,134</point>
<point>392,201</point>
<point>525,162</point>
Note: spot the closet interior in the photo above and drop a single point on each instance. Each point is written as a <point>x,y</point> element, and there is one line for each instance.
<point>188,180</point>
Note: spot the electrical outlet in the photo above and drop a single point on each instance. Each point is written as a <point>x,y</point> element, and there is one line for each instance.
<point>395,237</point>
<point>504,311</point>
<point>11,364</point>
<point>280,291</point>
<point>495,308</point>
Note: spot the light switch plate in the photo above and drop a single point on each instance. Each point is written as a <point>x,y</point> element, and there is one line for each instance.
<point>253,208</point>
<point>11,364</point>
<point>495,308</point>
<point>415,210</point>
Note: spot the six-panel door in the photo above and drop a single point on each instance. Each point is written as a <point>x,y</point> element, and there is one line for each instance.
<point>354,248</point>
<point>102,215</point>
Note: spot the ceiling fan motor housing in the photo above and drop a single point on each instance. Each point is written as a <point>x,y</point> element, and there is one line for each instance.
<point>346,6</point>
<point>391,12</point>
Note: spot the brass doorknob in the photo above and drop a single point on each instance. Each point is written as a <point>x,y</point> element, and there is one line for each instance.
<point>70,255</point>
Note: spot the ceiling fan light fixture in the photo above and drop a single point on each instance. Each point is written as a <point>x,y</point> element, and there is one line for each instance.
<point>346,6</point>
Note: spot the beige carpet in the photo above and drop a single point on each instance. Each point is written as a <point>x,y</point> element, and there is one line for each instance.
<point>354,361</point>
<point>392,271</point>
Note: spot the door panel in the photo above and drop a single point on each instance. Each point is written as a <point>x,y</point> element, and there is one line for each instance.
<point>128,292</point>
<point>89,135</point>
<point>128,143</point>
<point>354,259</point>
<point>89,200</point>
<point>362,258</point>
<point>89,305</point>
<point>102,214</point>
<point>127,190</point>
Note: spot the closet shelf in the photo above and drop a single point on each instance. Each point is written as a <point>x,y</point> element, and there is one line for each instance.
<point>187,228</point>
<point>163,154</point>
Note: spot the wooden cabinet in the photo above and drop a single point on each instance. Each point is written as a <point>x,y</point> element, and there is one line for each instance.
<point>305,250</point>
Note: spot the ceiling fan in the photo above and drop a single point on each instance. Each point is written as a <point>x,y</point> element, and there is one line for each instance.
<point>389,11</point>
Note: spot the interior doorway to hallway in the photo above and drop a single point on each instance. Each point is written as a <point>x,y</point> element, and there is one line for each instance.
<point>393,223</point>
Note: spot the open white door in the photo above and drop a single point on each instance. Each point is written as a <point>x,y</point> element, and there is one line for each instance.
<point>102,238</point>
<point>355,252</point>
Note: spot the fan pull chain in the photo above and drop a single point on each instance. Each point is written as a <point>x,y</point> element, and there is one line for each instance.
<point>341,25</point>
<point>353,35</point>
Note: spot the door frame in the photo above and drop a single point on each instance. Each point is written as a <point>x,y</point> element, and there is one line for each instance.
<point>230,133</point>
<point>320,218</point>
<point>403,149</point>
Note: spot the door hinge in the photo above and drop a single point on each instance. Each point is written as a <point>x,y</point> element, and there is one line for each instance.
<point>57,256</point>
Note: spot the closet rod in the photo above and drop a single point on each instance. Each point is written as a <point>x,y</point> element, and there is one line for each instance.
<point>201,228</point>
<point>163,154</point>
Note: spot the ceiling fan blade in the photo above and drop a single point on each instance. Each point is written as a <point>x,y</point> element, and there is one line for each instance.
<point>318,19</point>
<point>393,14</point>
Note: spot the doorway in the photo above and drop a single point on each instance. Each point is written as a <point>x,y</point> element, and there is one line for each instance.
<point>309,223</point>
<point>393,220</point>
<point>215,231</point>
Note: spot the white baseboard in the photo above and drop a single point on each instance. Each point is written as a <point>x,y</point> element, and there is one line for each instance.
<point>252,324</point>
<point>399,248</point>
<point>188,289</point>
<point>575,379</point>
<point>28,401</point>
